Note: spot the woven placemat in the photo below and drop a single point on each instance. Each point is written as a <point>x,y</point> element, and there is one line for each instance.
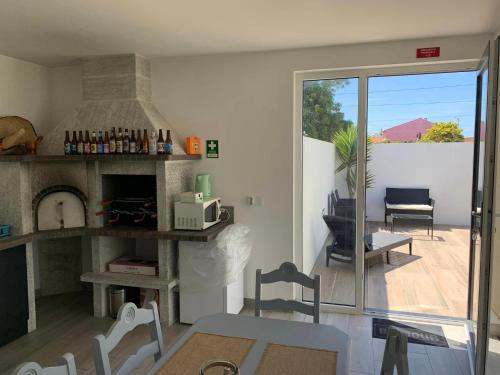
<point>202,347</point>
<point>295,360</point>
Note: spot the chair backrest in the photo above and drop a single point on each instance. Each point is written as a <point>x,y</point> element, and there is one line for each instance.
<point>288,273</point>
<point>343,230</point>
<point>337,195</point>
<point>66,366</point>
<point>407,196</point>
<point>129,317</point>
<point>396,352</point>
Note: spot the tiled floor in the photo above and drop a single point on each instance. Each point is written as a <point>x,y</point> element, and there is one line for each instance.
<point>433,280</point>
<point>65,324</point>
<point>367,352</point>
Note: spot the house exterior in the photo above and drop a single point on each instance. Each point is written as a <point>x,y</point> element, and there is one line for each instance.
<point>410,131</point>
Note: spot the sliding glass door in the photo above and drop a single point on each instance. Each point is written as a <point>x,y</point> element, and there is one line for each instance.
<point>481,303</point>
<point>330,137</point>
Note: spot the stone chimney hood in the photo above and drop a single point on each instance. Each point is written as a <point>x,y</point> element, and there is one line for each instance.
<point>116,93</point>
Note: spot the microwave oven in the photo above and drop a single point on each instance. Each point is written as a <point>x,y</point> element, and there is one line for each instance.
<point>197,215</point>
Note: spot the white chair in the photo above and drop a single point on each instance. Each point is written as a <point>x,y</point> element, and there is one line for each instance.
<point>66,367</point>
<point>396,352</point>
<point>129,317</point>
<point>288,273</point>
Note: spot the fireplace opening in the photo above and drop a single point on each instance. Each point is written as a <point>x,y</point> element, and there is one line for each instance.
<point>129,200</point>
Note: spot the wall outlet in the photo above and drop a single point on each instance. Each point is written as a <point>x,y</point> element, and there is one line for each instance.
<point>254,200</point>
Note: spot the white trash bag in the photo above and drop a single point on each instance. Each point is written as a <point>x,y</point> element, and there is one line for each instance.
<point>216,263</point>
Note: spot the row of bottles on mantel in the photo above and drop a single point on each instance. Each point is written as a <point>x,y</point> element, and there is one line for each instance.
<point>118,143</point>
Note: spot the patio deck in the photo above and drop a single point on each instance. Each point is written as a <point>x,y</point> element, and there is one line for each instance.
<point>434,280</point>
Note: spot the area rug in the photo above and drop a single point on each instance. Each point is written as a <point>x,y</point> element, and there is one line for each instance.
<point>418,333</point>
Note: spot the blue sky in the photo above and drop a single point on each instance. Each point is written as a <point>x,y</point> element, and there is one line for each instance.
<point>393,100</point>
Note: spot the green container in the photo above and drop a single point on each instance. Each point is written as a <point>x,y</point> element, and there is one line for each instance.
<point>203,184</point>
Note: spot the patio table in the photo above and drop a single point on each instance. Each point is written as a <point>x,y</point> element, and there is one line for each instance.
<point>381,242</point>
<point>425,219</point>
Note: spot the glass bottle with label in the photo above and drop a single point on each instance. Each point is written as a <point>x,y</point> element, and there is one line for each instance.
<point>106,142</point>
<point>138,143</point>
<point>126,142</point>
<point>112,142</point>
<point>153,150</point>
<point>169,147</point>
<point>161,143</point>
<point>119,142</point>
<point>93,144</point>
<point>133,143</point>
<point>100,143</point>
<point>74,144</point>
<point>145,143</point>
<point>67,144</point>
<point>79,146</point>
<point>86,143</point>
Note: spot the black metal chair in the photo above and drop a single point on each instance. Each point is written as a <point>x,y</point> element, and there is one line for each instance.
<point>343,245</point>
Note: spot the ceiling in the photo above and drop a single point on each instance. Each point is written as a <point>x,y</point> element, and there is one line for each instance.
<point>56,32</point>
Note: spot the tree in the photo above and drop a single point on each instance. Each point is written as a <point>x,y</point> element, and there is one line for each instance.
<point>322,116</point>
<point>444,132</point>
<point>346,145</point>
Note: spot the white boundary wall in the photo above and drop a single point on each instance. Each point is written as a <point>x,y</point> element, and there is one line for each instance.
<point>319,181</point>
<point>444,168</point>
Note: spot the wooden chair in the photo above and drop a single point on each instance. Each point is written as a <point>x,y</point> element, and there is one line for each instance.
<point>396,352</point>
<point>129,317</point>
<point>66,366</point>
<point>287,272</point>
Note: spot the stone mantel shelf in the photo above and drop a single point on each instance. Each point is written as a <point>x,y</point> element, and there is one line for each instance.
<point>100,157</point>
<point>206,235</point>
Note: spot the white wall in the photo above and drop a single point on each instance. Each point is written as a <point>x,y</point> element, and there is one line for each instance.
<point>319,181</point>
<point>24,91</point>
<point>444,168</point>
<point>246,101</point>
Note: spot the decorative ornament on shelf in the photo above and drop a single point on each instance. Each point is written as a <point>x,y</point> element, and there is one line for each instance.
<point>17,136</point>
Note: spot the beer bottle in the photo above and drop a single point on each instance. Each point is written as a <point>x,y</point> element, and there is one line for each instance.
<point>100,144</point>
<point>126,143</point>
<point>93,143</point>
<point>79,146</point>
<point>106,143</point>
<point>169,147</point>
<point>133,144</point>
<point>145,143</point>
<point>67,144</point>
<point>138,143</point>
<point>86,144</point>
<point>119,142</point>
<point>153,145</point>
<point>74,144</point>
<point>112,142</point>
<point>161,143</point>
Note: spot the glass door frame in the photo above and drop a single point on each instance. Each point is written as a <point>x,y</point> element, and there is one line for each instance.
<point>479,349</point>
<point>299,79</point>
<point>362,73</point>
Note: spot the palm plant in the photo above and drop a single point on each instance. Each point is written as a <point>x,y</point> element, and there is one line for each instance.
<point>346,144</point>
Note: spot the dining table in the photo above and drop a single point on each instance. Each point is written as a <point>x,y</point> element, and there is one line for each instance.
<point>265,331</point>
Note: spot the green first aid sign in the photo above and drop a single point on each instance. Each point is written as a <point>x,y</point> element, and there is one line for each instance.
<point>212,148</point>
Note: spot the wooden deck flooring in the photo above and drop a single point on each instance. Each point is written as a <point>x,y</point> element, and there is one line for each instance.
<point>434,280</point>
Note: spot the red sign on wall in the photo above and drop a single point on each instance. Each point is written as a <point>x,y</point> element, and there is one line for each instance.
<point>424,53</point>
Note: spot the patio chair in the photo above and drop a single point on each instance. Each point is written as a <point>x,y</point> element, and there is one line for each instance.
<point>342,247</point>
<point>408,201</point>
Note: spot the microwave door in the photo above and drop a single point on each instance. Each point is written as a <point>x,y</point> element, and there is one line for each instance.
<point>211,213</point>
